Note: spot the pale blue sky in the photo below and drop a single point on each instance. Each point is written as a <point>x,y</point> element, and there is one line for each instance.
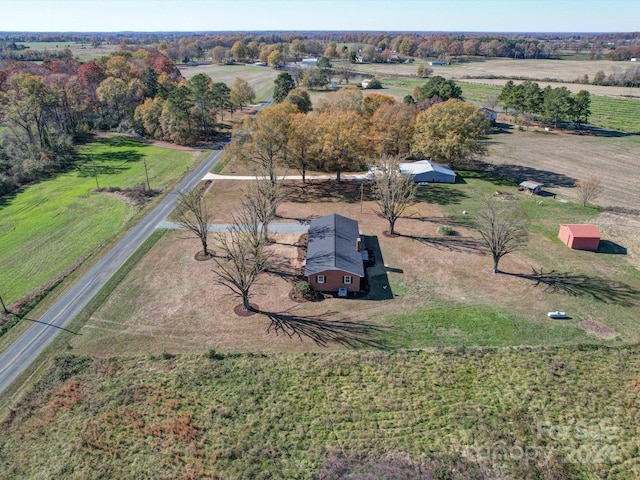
<point>251,15</point>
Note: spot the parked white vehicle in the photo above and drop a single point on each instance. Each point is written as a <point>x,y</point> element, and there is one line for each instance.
<point>557,314</point>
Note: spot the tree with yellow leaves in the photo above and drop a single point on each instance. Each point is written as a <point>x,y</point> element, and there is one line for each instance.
<point>450,132</point>
<point>342,139</point>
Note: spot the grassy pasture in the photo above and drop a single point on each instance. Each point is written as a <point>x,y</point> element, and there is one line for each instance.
<point>260,78</point>
<point>50,226</point>
<point>82,51</point>
<point>572,410</point>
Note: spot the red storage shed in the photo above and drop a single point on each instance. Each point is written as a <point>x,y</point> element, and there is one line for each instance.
<point>580,236</point>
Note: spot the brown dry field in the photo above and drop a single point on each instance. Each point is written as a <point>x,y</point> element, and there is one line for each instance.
<point>560,157</point>
<point>171,302</point>
<point>561,70</point>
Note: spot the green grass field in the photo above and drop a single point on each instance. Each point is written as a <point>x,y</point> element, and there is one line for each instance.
<point>260,78</point>
<point>532,413</point>
<point>606,112</point>
<point>82,51</point>
<point>51,226</point>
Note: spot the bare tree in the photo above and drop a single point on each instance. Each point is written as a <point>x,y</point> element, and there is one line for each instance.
<point>588,190</point>
<point>344,71</point>
<point>193,215</point>
<point>503,229</point>
<point>261,199</point>
<point>263,139</point>
<point>394,190</point>
<point>243,258</point>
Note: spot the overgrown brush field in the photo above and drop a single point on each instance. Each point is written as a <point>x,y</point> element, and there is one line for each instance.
<point>529,413</point>
<point>50,226</point>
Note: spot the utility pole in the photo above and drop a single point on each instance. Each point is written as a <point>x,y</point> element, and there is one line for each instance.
<point>361,195</point>
<point>146,172</point>
<point>95,172</point>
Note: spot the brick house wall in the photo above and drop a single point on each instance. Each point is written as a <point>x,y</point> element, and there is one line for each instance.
<point>334,279</point>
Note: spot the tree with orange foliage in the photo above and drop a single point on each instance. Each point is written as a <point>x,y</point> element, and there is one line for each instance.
<point>342,138</point>
<point>392,127</point>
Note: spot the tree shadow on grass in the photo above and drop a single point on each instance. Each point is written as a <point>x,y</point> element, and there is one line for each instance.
<point>520,173</point>
<point>451,242</point>
<point>323,331</point>
<point>440,194</point>
<point>600,289</point>
<point>451,221</point>
<point>321,190</point>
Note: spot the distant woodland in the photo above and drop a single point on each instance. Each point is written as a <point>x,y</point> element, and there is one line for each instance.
<point>49,100</point>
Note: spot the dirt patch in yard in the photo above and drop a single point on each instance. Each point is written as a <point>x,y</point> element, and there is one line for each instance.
<point>597,329</point>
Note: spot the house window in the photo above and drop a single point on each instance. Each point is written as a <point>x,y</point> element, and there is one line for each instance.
<point>347,279</point>
<point>321,279</point>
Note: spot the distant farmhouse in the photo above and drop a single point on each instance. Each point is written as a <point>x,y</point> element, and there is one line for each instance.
<point>335,254</point>
<point>428,171</point>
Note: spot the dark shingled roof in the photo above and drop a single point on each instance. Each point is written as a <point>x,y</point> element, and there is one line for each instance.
<point>333,246</point>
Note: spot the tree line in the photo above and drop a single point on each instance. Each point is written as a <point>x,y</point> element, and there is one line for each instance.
<point>554,105</point>
<point>348,130</point>
<point>45,109</point>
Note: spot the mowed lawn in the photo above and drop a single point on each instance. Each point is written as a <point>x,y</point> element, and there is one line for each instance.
<point>429,290</point>
<point>49,227</point>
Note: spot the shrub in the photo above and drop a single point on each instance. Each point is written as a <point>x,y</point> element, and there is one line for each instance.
<point>374,84</point>
<point>303,288</point>
<point>446,230</point>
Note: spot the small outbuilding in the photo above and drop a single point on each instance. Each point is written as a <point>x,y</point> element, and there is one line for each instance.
<point>580,236</point>
<point>489,114</point>
<point>428,171</point>
<point>529,186</point>
<point>334,254</point>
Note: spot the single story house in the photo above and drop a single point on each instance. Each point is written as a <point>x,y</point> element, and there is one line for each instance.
<point>531,187</point>
<point>428,171</point>
<point>580,236</point>
<point>489,114</point>
<point>334,254</point>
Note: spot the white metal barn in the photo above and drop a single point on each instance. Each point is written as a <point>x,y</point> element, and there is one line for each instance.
<point>428,171</point>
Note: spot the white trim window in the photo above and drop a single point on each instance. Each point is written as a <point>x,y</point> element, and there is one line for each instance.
<point>321,279</point>
<point>347,279</point>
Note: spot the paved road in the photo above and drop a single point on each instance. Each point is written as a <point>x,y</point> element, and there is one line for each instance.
<point>26,349</point>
